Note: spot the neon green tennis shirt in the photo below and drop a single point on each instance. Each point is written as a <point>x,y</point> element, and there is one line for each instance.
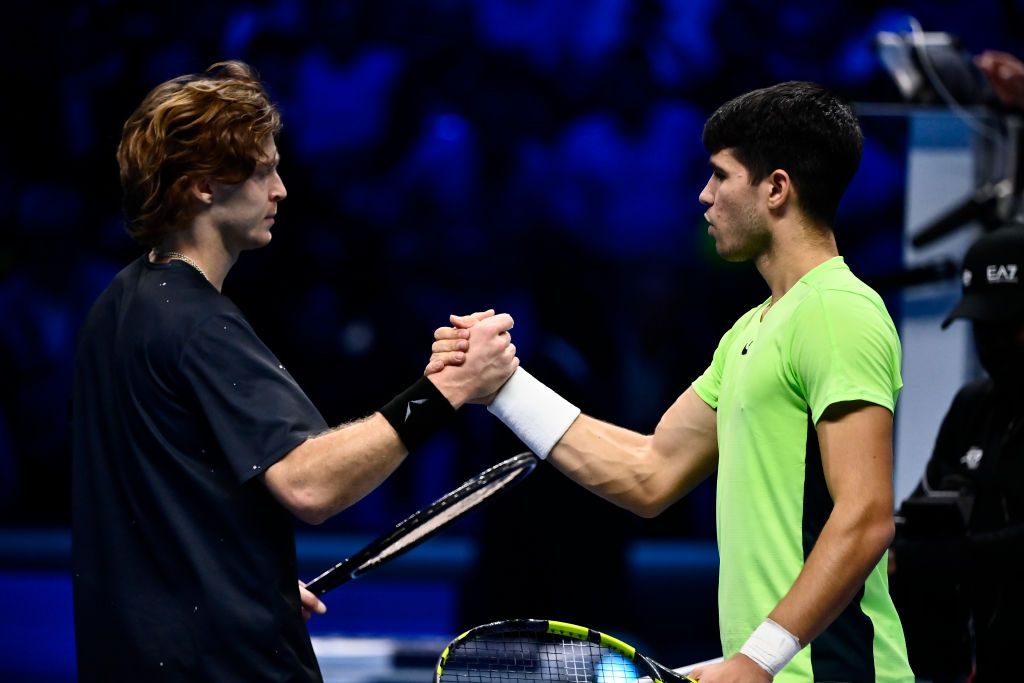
<point>829,339</point>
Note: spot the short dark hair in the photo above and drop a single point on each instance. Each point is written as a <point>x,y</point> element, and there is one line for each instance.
<point>799,127</point>
<point>212,124</point>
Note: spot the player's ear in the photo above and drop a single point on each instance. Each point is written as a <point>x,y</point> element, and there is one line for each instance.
<point>202,190</point>
<point>780,189</point>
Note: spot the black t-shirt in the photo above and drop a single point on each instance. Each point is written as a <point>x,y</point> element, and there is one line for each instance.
<point>980,449</point>
<point>976,572</point>
<point>183,562</point>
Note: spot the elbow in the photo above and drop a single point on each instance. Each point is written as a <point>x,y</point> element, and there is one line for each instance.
<point>313,515</point>
<point>306,505</point>
<point>649,508</point>
<point>886,531</point>
<point>866,531</point>
<point>314,519</point>
<point>648,494</point>
<point>637,499</point>
<point>878,533</point>
<point>299,493</point>
<point>649,501</point>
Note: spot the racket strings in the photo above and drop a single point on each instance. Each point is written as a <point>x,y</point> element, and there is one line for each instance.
<point>534,658</point>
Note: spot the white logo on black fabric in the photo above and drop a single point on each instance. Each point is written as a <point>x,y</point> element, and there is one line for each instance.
<point>968,276</point>
<point>1000,274</point>
<point>972,458</point>
<point>410,404</point>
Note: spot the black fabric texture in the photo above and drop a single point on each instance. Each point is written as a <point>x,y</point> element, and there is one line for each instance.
<point>418,412</point>
<point>183,562</point>
<point>971,574</point>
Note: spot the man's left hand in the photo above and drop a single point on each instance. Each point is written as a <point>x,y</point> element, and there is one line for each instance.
<point>736,669</point>
<point>310,603</point>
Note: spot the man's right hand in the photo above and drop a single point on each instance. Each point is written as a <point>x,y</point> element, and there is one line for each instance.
<point>451,343</point>
<point>487,360</point>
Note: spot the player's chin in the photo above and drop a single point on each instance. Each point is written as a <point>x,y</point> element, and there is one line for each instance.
<point>730,252</point>
<point>259,238</point>
<point>723,250</point>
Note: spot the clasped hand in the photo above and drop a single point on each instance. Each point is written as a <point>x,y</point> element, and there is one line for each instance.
<point>472,359</point>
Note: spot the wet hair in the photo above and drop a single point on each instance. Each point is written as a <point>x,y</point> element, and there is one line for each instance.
<point>210,125</point>
<point>796,126</point>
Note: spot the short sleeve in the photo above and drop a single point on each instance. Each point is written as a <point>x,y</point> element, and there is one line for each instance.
<point>709,385</point>
<point>845,348</point>
<point>256,410</point>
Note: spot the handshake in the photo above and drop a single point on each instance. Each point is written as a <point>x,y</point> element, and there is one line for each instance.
<point>472,359</point>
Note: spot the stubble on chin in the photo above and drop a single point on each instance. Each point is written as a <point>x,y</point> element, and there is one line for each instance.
<point>743,247</point>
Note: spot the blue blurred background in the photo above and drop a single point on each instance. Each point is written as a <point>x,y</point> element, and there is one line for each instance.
<point>541,157</point>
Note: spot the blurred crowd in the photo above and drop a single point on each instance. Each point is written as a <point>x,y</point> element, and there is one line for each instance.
<point>441,156</point>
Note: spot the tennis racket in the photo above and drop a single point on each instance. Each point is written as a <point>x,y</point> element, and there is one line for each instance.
<point>537,650</point>
<point>423,524</point>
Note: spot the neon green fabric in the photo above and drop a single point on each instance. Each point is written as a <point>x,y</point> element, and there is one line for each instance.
<point>828,340</point>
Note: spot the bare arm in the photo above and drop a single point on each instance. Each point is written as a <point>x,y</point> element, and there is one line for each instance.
<point>856,454</point>
<point>644,474</point>
<point>855,439</point>
<point>330,472</point>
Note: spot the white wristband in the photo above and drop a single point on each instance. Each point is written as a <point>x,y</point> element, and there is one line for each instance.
<point>771,647</point>
<point>535,413</point>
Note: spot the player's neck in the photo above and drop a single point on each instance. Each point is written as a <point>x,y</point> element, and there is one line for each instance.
<point>792,254</point>
<point>201,249</point>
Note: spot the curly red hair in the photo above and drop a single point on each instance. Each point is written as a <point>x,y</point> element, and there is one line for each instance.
<point>210,125</point>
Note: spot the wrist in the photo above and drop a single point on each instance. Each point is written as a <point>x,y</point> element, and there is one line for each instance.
<point>418,412</point>
<point>535,413</point>
<point>771,647</point>
<point>454,392</point>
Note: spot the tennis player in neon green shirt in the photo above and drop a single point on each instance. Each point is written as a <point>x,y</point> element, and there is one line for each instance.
<point>794,412</point>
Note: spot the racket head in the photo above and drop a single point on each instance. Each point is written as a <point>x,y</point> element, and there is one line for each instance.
<point>427,522</point>
<point>544,651</point>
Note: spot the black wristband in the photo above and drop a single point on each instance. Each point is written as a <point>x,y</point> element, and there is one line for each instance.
<point>418,412</point>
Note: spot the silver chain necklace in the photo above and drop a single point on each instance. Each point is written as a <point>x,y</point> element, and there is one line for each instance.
<point>181,257</point>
